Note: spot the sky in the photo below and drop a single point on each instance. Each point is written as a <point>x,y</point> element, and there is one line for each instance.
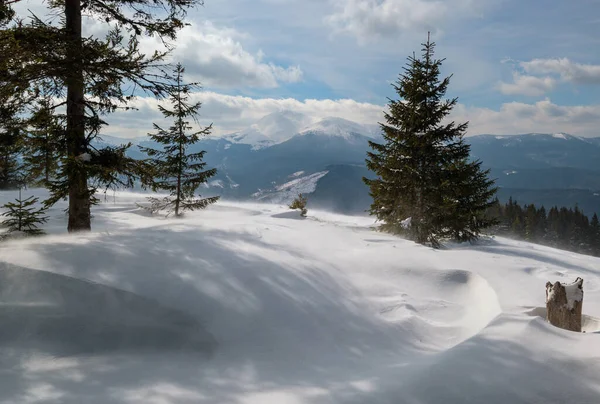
<point>518,66</point>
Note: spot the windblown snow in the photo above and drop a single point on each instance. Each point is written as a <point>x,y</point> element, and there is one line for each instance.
<point>243,304</point>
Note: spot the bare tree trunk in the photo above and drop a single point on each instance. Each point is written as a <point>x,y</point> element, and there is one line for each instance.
<point>564,304</point>
<point>79,198</point>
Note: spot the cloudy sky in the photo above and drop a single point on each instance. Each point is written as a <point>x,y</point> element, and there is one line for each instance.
<point>519,65</point>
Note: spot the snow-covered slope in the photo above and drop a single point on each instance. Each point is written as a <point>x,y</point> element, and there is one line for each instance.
<point>245,304</point>
<point>286,192</point>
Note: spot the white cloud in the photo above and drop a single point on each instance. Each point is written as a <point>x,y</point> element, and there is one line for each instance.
<point>542,117</point>
<point>568,70</point>
<point>215,57</point>
<point>373,18</point>
<point>527,85</point>
<point>232,113</point>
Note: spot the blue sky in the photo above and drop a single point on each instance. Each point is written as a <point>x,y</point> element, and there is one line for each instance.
<point>519,65</point>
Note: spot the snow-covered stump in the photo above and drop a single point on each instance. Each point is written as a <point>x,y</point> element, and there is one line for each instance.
<point>564,304</point>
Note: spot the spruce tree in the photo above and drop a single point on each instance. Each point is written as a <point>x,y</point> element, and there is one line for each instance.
<point>10,168</point>
<point>23,216</point>
<point>44,146</point>
<point>94,75</point>
<point>173,168</point>
<point>426,186</point>
<point>595,235</point>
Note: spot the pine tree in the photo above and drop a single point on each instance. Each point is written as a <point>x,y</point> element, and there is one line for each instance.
<point>23,216</point>
<point>468,194</point>
<point>10,168</point>
<point>95,76</point>
<point>595,235</point>
<point>531,222</point>
<point>44,144</point>
<point>426,187</point>
<point>174,169</point>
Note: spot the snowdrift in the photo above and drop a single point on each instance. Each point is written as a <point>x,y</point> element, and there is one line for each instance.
<point>243,303</point>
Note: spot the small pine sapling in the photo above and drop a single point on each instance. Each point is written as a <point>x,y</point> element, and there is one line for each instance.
<point>174,168</point>
<point>23,216</point>
<point>300,203</point>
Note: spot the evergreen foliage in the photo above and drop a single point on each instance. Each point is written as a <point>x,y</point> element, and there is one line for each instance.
<point>300,203</point>
<point>173,168</point>
<point>565,228</point>
<point>426,187</point>
<point>93,75</point>
<point>45,145</point>
<point>23,216</point>
<point>10,168</point>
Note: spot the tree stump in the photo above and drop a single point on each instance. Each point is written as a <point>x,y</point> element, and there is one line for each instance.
<point>564,303</point>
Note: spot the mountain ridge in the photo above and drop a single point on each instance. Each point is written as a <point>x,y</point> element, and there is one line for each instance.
<point>552,168</point>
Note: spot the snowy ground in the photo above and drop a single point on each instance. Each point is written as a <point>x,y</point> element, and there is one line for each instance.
<point>249,304</point>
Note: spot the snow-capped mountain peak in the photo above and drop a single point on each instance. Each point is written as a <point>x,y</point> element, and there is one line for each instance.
<point>280,126</point>
<point>271,129</point>
<point>334,126</point>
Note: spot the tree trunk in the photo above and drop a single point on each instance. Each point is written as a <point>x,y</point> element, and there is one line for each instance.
<point>20,209</point>
<point>79,198</point>
<point>47,155</point>
<point>564,304</point>
<point>180,140</point>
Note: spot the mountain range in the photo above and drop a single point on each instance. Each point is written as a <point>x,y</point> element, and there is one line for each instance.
<point>285,153</point>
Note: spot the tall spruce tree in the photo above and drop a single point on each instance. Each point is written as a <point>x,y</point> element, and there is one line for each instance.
<point>94,76</point>
<point>173,168</point>
<point>426,187</point>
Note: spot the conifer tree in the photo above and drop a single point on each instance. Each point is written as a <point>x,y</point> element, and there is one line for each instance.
<point>10,168</point>
<point>173,168</point>
<point>44,146</point>
<point>94,75</point>
<point>23,216</point>
<point>426,187</point>
<point>595,235</point>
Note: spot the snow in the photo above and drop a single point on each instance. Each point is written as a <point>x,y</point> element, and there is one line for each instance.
<point>339,127</point>
<point>85,157</point>
<point>406,223</point>
<point>216,184</point>
<point>560,136</point>
<point>250,136</point>
<point>243,304</point>
<point>574,294</point>
<point>285,193</point>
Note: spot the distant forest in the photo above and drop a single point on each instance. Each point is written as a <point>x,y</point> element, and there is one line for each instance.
<point>564,228</point>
